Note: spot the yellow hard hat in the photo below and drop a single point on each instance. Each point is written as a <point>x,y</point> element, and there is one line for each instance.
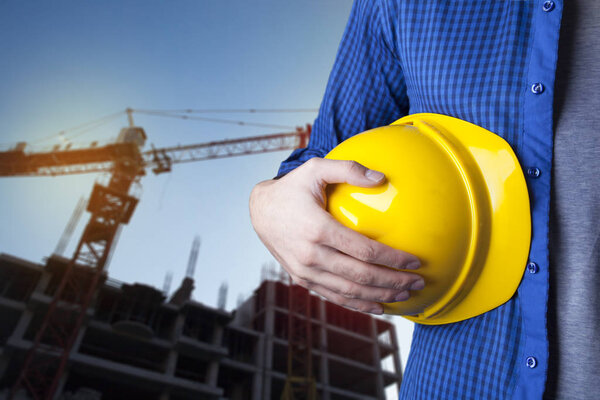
<point>455,197</point>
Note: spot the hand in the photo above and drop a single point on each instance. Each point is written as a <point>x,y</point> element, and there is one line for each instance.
<point>318,252</point>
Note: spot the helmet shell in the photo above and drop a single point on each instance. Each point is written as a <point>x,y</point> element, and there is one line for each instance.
<point>454,196</point>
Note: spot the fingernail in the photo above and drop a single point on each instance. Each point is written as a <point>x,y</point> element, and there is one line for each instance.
<point>377,310</point>
<point>413,265</point>
<point>402,296</point>
<point>417,285</point>
<point>374,176</point>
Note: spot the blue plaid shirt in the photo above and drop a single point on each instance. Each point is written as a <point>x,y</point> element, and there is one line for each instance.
<point>490,63</point>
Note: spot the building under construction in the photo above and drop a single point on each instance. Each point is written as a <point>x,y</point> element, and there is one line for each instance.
<point>137,343</point>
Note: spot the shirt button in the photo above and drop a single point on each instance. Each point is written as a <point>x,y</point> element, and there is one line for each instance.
<point>537,88</point>
<point>533,172</point>
<point>532,267</point>
<point>531,362</point>
<point>548,6</point>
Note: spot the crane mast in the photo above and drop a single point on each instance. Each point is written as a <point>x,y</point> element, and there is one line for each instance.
<point>110,207</point>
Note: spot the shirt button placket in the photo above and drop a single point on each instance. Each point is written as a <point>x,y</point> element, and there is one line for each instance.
<point>547,15</point>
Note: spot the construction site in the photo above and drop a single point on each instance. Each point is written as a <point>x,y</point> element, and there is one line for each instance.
<point>69,331</point>
<point>136,343</point>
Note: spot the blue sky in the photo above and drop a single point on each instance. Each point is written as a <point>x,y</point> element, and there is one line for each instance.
<point>65,63</point>
<point>69,62</point>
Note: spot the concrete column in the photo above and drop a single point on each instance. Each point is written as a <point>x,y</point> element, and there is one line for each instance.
<point>171,362</point>
<point>27,315</point>
<point>397,361</point>
<point>79,338</point>
<point>324,367</point>
<point>42,283</point>
<point>212,374</point>
<point>269,334</point>
<point>213,368</point>
<point>257,378</point>
<point>22,325</point>
<point>178,329</point>
<point>217,335</point>
<point>377,360</point>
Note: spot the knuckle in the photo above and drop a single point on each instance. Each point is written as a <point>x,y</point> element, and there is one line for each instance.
<point>349,291</point>
<point>363,277</point>
<point>390,296</point>
<point>316,234</point>
<point>303,277</point>
<point>400,260</point>
<point>338,268</point>
<point>343,241</point>
<point>366,308</point>
<point>336,298</point>
<point>312,163</point>
<point>308,284</point>
<point>345,302</point>
<point>367,253</point>
<point>308,256</point>
<point>352,167</point>
<point>399,284</point>
<point>301,281</point>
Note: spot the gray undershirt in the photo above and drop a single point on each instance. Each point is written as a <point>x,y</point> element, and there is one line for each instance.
<point>574,307</point>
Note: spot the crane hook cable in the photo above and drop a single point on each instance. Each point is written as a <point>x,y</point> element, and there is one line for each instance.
<point>235,110</point>
<point>81,128</point>
<point>91,125</point>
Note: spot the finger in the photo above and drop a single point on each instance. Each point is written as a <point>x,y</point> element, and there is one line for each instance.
<point>343,171</point>
<point>353,290</point>
<point>354,244</point>
<point>366,274</point>
<point>354,304</point>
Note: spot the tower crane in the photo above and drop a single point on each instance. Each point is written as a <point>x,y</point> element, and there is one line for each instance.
<point>110,206</point>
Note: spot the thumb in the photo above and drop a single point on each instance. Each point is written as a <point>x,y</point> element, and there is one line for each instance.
<point>343,171</point>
